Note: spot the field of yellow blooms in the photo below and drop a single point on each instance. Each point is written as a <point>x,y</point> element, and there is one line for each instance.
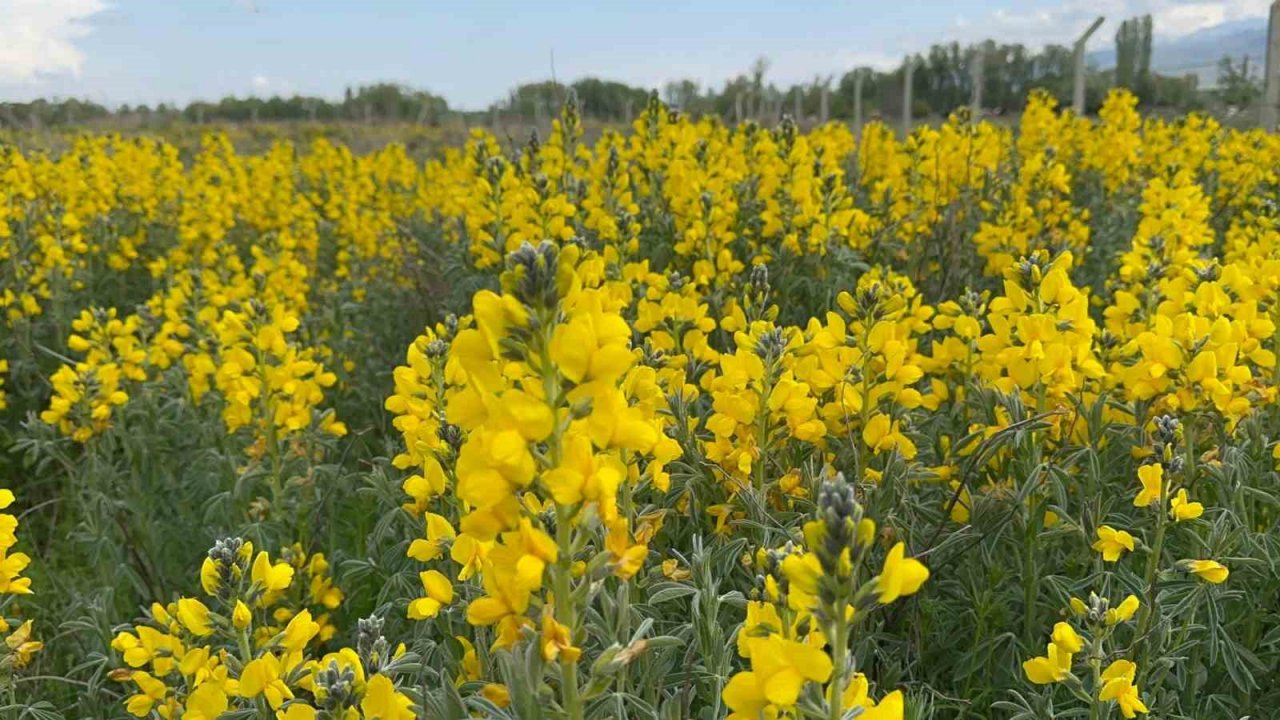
<point>691,421</point>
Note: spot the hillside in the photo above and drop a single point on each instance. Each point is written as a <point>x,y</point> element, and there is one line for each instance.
<point>1200,51</point>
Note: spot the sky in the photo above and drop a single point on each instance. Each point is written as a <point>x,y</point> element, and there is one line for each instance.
<point>472,51</point>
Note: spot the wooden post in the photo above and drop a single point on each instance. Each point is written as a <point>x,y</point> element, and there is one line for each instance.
<point>976,71</point>
<point>1271,88</point>
<point>1077,95</point>
<point>908,70</point>
<point>857,102</point>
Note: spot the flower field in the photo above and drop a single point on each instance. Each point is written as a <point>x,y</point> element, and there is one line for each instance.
<point>686,421</point>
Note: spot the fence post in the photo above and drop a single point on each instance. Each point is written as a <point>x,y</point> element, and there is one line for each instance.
<point>1077,95</point>
<point>979,58</point>
<point>1271,90</point>
<point>908,70</point>
<point>857,101</point>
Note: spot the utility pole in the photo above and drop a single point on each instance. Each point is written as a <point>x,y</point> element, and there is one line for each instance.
<point>908,70</point>
<point>976,70</point>
<point>824,102</point>
<point>857,101</point>
<point>1271,90</point>
<point>1077,95</point>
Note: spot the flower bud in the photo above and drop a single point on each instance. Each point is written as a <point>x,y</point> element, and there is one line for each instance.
<point>241,617</point>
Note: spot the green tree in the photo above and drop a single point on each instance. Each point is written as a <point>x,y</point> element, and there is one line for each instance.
<point>1238,84</point>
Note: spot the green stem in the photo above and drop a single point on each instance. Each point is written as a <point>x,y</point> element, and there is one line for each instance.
<point>1096,706</point>
<point>1149,605</point>
<point>835,702</point>
<point>1029,577</point>
<point>566,613</point>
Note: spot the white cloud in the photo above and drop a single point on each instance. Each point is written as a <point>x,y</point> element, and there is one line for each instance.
<point>38,37</point>
<point>1060,24</point>
<point>260,83</point>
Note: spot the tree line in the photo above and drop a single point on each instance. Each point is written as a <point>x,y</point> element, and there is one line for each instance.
<point>382,102</point>
<point>943,80</point>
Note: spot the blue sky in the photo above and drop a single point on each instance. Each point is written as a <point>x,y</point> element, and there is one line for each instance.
<point>130,51</point>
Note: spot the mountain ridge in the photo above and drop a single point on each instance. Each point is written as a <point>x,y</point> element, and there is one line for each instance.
<point>1199,52</point>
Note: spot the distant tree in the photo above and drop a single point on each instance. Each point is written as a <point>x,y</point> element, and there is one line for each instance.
<point>684,94</point>
<point>1133,56</point>
<point>1142,73</point>
<point>1238,83</point>
<point>609,100</point>
<point>1176,92</point>
<point>758,99</point>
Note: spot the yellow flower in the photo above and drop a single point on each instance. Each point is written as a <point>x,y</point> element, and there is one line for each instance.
<point>1066,638</point>
<point>470,664</point>
<point>297,711</point>
<point>556,640</point>
<point>497,694</point>
<point>150,692</point>
<point>439,533</point>
<point>210,576</point>
<point>882,434</point>
<point>1078,607</point>
<point>263,676</point>
<point>779,670</point>
<point>1181,508</point>
<point>194,615</point>
<point>382,702</point>
<point>890,707</point>
<point>272,579</point>
<point>1117,685</point>
<point>299,632</point>
<point>672,570</point>
<point>206,702</point>
<point>11,567</point>
<point>23,647</point>
<point>803,571</point>
<point>1210,571</point>
<point>1113,543</point>
<point>1123,611</point>
<point>1054,666</point>
<point>900,575</point>
<point>241,616</point>
<point>1152,477</point>
<point>438,592</point>
<point>628,557</point>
